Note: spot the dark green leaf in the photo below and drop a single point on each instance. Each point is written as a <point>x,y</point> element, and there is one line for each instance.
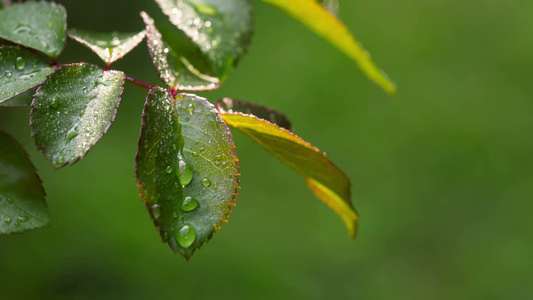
<point>221,29</point>
<point>317,18</point>
<point>174,69</point>
<point>108,46</point>
<point>73,109</point>
<point>325,179</point>
<point>228,105</point>
<point>23,99</point>
<point>38,25</point>
<point>20,70</point>
<point>22,204</point>
<point>187,181</point>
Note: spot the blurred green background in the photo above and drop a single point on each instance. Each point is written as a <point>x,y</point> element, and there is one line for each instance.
<point>442,176</point>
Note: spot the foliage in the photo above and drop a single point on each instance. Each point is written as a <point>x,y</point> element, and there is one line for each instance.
<point>186,165</point>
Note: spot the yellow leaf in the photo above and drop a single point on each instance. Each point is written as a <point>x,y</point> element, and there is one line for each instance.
<point>313,15</point>
<point>325,179</point>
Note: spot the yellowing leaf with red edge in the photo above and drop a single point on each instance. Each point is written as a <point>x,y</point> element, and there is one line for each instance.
<point>325,179</point>
<point>313,15</point>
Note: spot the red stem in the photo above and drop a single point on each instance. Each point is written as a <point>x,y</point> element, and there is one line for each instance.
<point>140,83</point>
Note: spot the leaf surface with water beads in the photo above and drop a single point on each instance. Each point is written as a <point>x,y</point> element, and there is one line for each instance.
<point>110,47</point>
<point>38,25</point>
<point>22,203</point>
<point>173,67</point>
<point>20,70</point>
<point>222,30</point>
<point>317,18</point>
<point>186,169</point>
<point>73,109</point>
<point>325,179</point>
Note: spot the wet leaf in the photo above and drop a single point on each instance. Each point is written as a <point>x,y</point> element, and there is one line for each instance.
<point>22,204</point>
<point>73,109</point>
<point>221,29</point>
<point>313,15</point>
<point>20,70</point>
<point>228,105</point>
<point>174,68</point>
<point>38,25</point>
<point>325,179</point>
<point>188,181</point>
<point>110,47</point>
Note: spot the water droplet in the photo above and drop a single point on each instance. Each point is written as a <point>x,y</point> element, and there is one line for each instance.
<point>218,160</point>
<point>60,160</point>
<point>23,218</point>
<point>7,219</point>
<point>189,204</point>
<point>205,9</point>
<point>186,236</point>
<point>73,132</point>
<point>8,74</point>
<point>215,185</point>
<point>10,201</point>
<point>17,224</point>
<point>93,94</point>
<point>20,63</point>
<point>190,108</point>
<point>185,171</point>
<point>169,170</point>
<point>55,103</point>
<point>197,142</point>
<point>82,112</point>
<point>155,210</point>
<point>206,182</point>
<point>195,154</point>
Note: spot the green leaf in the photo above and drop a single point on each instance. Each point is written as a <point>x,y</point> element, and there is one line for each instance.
<point>325,179</point>
<point>186,169</point>
<point>313,15</point>
<point>221,29</point>
<point>22,204</point>
<point>110,47</point>
<point>175,69</point>
<point>228,105</point>
<point>73,109</point>
<point>21,100</point>
<point>20,70</point>
<point>38,25</point>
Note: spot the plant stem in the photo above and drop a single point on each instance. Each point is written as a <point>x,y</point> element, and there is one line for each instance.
<point>140,83</point>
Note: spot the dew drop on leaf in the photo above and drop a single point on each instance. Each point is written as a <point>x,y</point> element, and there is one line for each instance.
<point>189,204</point>
<point>186,236</point>
<point>190,108</point>
<point>73,132</point>
<point>185,171</point>
<point>7,219</point>
<point>156,210</point>
<point>54,104</point>
<point>60,160</point>
<point>206,182</point>
<point>23,218</point>
<point>20,63</point>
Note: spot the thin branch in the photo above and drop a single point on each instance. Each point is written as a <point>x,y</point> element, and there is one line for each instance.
<point>140,83</point>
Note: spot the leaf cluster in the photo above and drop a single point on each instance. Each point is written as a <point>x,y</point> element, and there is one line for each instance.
<point>187,168</point>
